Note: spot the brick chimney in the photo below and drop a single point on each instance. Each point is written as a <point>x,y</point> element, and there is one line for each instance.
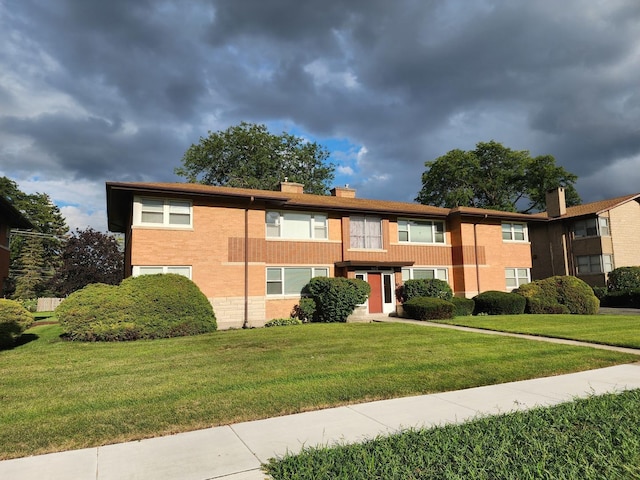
<point>556,203</point>
<point>291,187</point>
<point>344,192</point>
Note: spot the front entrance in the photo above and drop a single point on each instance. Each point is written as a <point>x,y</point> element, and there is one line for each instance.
<point>382,298</point>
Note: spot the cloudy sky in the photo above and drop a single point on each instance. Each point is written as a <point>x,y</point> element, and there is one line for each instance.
<point>94,91</point>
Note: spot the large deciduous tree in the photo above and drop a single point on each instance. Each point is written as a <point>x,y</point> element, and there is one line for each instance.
<point>35,255</point>
<point>249,156</point>
<point>88,257</point>
<point>495,177</point>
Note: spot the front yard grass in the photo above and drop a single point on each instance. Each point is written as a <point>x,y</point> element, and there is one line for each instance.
<point>591,438</point>
<point>58,395</point>
<point>619,330</point>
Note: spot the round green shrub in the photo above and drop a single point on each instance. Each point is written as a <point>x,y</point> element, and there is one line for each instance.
<point>494,302</point>
<point>14,320</point>
<point>623,278</point>
<point>428,308</point>
<point>462,306</point>
<point>148,306</point>
<point>544,296</point>
<point>336,298</point>
<point>283,322</point>
<point>431,287</point>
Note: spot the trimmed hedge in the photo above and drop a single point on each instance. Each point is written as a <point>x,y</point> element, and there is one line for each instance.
<point>494,302</point>
<point>304,310</point>
<point>148,306</point>
<point>623,278</point>
<point>336,298</point>
<point>424,287</point>
<point>628,298</point>
<point>14,320</point>
<point>428,308</point>
<point>462,307</point>
<point>559,294</point>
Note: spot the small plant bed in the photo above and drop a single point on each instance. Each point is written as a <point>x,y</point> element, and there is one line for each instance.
<point>618,330</point>
<point>590,438</point>
<point>60,395</point>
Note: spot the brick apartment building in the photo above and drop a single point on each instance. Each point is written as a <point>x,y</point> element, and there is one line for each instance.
<point>251,251</point>
<point>587,241</point>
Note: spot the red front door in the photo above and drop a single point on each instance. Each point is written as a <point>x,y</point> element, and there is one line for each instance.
<point>375,299</point>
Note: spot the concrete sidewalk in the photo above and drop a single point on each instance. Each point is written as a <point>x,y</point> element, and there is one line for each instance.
<point>235,452</point>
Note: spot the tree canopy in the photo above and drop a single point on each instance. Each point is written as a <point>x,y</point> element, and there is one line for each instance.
<point>34,255</point>
<point>88,257</point>
<point>249,156</point>
<point>495,177</point>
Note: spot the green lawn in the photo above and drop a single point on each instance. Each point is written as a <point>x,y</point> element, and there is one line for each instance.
<point>59,395</point>
<point>595,438</point>
<point>620,330</point>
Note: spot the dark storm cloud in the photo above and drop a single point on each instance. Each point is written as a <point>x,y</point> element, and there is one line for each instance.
<point>118,90</point>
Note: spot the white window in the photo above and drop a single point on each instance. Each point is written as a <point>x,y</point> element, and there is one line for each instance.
<point>594,263</point>
<point>366,232</point>
<point>153,270</point>
<point>591,227</point>
<point>420,231</point>
<point>418,273</point>
<point>161,212</point>
<point>515,232</point>
<point>516,277</point>
<point>301,226</point>
<point>291,280</point>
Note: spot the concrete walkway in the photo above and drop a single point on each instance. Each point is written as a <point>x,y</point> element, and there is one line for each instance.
<point>235,452</point>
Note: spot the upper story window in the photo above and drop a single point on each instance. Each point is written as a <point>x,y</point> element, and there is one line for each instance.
<point>366,232</point>
<point>591,227</point>
<point>293,225</point>
<point>420,231</point>
<point>163,212</point>
<point>515,232</point>
<point>594,263</point>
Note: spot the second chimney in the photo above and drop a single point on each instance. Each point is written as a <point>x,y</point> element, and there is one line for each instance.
<point>556,202</point>
<point>344,192</point>
<point>291,187</point>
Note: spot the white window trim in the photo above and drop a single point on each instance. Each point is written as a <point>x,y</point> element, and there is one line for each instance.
<point>435,269</point>
<point>433,229</point>
<point>312,226</point>
<point>512,239</point>
<point>517,278</point>
<point>137,213</point>
<point>165,269</point>
<point>282,279</point>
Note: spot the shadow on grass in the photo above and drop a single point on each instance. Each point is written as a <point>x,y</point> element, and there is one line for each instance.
<point>21,340</point>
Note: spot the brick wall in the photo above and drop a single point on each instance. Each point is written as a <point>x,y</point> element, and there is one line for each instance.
<point>625,234</point>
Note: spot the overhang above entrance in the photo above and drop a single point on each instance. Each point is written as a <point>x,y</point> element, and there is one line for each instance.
<point>369,264</point>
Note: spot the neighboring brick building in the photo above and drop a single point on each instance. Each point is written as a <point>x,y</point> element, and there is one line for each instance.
<point>10,218</point>
<point>251,251</point>
<point>588,240</point>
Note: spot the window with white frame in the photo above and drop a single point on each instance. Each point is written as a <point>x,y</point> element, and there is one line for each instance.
<point>291,280</point>
<point>516,276</point>
<point>366,232</point>
<point>162,212</point>
<point>591,227</point>
<point>296,225</point>
<point>156,269</point>
<point>418,273</point>
<point>515,232</point>
<point>594,264</point>
<point>420,231</point>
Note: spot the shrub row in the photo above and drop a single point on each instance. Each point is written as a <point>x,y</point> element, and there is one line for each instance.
<point>148,306</point>
<point>428,308</point>
<point>283,322</point>
<point>432,287</point>
<point>626,298</point>
<point>559,294</point>
<point>494,302</point>
<point>14,320</point>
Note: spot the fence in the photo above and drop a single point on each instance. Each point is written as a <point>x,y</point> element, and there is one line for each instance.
<point>48,304</point>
